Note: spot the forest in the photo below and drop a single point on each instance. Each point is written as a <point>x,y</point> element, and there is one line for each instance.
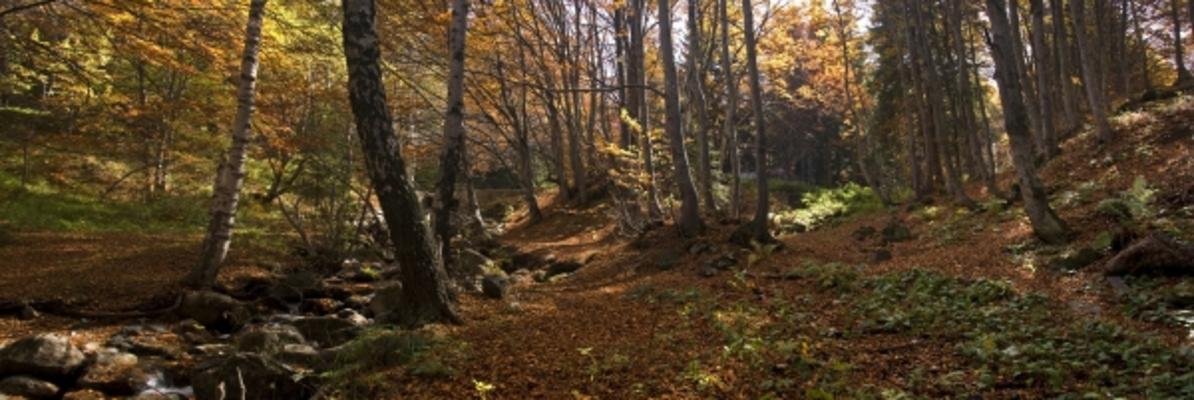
<point>596,199</point>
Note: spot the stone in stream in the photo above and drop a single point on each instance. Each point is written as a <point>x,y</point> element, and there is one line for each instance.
<point>46,355</point>
<point>27,386</point>
<point>247,376</point>
<point>326,331</point>
<point>267,339</point>
<point>387,297</point>
<point>115,372</point>
<point>85,394</point>
<point>213,310</point>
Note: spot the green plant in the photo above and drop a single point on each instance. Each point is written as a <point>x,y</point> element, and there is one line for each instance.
<point>360,365</point>
<point>820,206</point>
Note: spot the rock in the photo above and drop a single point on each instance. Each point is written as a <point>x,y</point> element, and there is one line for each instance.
<point>303,356</point>
<point>1156,254</point>
<point>326,331</point>
<point>27,386</point>
<point>470,262</point>
<point>387,298</point>
<point>356,302</point>
<point>1075,261</point>
<point>247,376</point>
<point>880,255</point>
<point>85,394</point>
<point>296,286</point>
<point>708,271</point>
<point>144,346</point>
<point>699,248</point>
<point>268,339</point>
<point>896,231</point>
<point>47,355</point>
<point>539,276</point>
<point>321,306</point>
<point>352,317</point>
<point>863,233</point>
<point>115,372</point>
<point>214,310</point>
<point>495,286</point>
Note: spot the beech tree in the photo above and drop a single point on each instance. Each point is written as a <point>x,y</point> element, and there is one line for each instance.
<point>690,214</point>
<point>1045,222</point>
<point>425,295</point>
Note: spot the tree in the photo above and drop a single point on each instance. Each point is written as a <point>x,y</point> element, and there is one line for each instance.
<point>1179,53</point>
<point>1091,80</point>
<point>1045,222</point>
<point>690,214</point>
<point>759,225</point>
<point>425,296</point>
<point>731,117</point>
<point>454,140</point>
<point>231,174</point>
<point>697,107</point>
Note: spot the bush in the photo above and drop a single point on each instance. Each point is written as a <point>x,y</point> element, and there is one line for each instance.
<point>822,205</point>
<point>361,364</point>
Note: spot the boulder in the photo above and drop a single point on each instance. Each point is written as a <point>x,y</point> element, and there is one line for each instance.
<point>326,331</point>
<point>213,310</point>
<point>470,262</point>
<point>296,286</point>
<point>115,372</point>
<point>268,338</point>
<point>303,356</point>
<point>27,386</point>
<point>388,297</point>
<point>495,286</point>
<point>1155,254</point>
<point>247,376</point>
<point>47,355</point>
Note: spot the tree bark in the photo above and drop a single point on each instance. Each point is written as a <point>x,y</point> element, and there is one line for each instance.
<point>454,140</point>
<point>698,109</point>
<point>425,294</point>
<point>1090,72</point>
<point>1179,48</point>
<point>690,213</point>
<point>643,108</point>
<point>231,174</point>
<point>1047,140</point>
<point>1061,51</point>
<point>1045,222</point>
<point>731,117</point>
<point>763,210</point>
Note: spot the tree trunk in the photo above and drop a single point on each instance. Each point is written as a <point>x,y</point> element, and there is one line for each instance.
<point>698,110</point>
<point>425,294</point>
<point>231,174</point>
<point>1047,140</point>
<point>731,118</point>
<point>638,58</point>
<point>690,212</point>
<point>1045,222</point>
<point>1030,98</point>
<point>1179,48</point>
<point>763,211</point>
<point>932,80</point>
<point>1061,51</point>
<point>1090,72</point>
<point>454,141</point>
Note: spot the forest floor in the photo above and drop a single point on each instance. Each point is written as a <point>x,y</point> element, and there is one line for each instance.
<point>968,305</point>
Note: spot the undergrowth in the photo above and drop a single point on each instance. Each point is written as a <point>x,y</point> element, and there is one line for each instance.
<point>823,205</point>
<point>362,366</point>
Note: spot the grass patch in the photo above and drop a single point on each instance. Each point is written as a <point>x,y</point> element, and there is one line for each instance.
<point>361,367</point>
